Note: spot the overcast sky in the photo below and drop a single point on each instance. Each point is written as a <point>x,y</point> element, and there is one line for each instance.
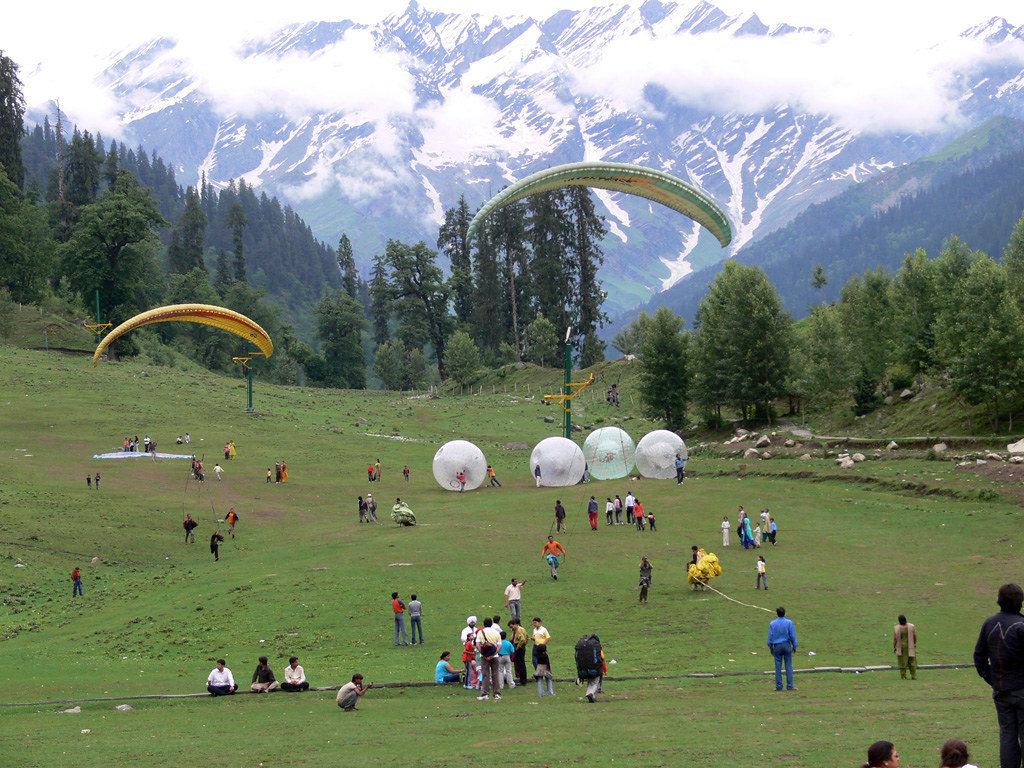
<point>886,66</point>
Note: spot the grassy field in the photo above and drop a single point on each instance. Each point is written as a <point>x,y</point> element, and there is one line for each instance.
<point>304,577</point>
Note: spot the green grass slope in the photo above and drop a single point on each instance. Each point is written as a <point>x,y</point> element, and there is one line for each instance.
<point>304,577</point>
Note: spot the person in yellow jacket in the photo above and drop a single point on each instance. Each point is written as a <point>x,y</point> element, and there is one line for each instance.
<point>904,645</point>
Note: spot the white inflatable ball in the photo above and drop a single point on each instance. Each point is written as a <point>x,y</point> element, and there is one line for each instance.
<point>459,456</point>
<point>609,452</point>
<point>656,454</point>
<point>560,460</point>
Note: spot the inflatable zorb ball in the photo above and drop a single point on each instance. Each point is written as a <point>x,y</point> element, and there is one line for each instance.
<point>609,453</point>
<point>459,456</point>
<point>656,454</point>
<point>560,460</point>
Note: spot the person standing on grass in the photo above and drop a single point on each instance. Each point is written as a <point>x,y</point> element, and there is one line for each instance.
<point>218,470</point>
<point>638,514</point>
<point>349,693</point>
<point>618,510</point>
<point>782,643</point>
<point>520,639</point>
<point>215,541</point>
<point>220,681</point>
<point>488,643</point>
<point>232,518</point>
<point>726,525</point>
<point>88,481</point>
<point>405,472</point>
<point>630,504</point>
<point>680,465</point>
<point>376,471</point>
<point>761,574</point>
<point>76,580</point>
<point>268,474</point>
<point>609,510</point>
<point>773,530</point>
<point>364,512</point>
<point>97,481</point>
<point>536,474</point>
<point>559,517</point>
<point>904,645</point>
<point>542,664</point>
<point>371,507</point>
<point>513,598</point>
<point>416,618</point>
<point>399,609</point>
<point>190,526</point>
<point>646,574</point>
<point>263,680</point>
<point>541,636</point>
<point>294,676</point>
<point>592,513</point>
<point>550,553</point>
<point>506,652</point>
<point>999,659</point>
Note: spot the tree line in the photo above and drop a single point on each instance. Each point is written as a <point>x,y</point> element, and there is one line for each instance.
<point>955,320</point>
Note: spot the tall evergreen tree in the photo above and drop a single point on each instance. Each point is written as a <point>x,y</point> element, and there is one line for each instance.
<point>82,170</point>
<point>451,241</point>
<point>508,237</point>
<point>664,375</point>
<point>339,326</point>
<point>491,314</point>
<point>380,300</point>
<point>191,233</point>
<point>347,265</point>
<point>551,272</point>
<point>237,221</point>
<point>583,252</point>
<point>12,121</point>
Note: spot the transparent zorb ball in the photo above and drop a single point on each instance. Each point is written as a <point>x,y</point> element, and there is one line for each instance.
<point>609,452</point>
<point>656,454</point>
<point>459,456</point>
<point>561,462</point>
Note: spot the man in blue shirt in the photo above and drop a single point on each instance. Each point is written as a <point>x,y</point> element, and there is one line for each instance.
<point>680,464</point>
<point>782,643</point>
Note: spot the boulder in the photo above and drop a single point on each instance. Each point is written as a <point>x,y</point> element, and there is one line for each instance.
<point>1017,459</point>
<point>805,457</point>
<point>95,560</point>
<point>940,447</point>
<point>751,453</point>
<point>859,457</point>
<point>1017,447</point>
<point>763,441</point>
<point>766,455</point>
<point>516,446</point>
<point>742,433</point>
<point>892,446</point>
<point>124,707</point>
<point>846,463</point>
<point>577,428</point>
<point>549,419</point>
<point>888,400</point>
<point>73,711</point>
<point>906,394</point>
<point>993,457</point>
<point>789,443</point>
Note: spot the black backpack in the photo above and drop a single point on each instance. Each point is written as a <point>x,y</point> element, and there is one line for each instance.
<point>588,657</point>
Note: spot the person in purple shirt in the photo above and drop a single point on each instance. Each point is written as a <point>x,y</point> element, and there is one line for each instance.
<point>782,643</point>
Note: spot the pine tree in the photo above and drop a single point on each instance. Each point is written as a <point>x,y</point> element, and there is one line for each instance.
<point>236,221</point>
<point>380,300</point>
<point>491,314</point>
<point>586,231</point>
<point>451,241</point>
<point>223,277</point>
<point>191,233</point>
<point>551,272</point>
<point>543,342</point>
<point>12,121</point>
<point>664,375</point>
<point>420,296</point>
<point>82,170</point>
<point>347,265</point>
<point>339,326</point>
<point>461,357</point>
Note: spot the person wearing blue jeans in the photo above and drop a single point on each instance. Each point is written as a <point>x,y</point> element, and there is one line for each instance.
<point>415,612</point>
<point>782,643</point>
<point>399,608</point>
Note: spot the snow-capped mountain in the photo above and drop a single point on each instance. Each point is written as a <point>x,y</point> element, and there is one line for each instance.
<point>374,131</point>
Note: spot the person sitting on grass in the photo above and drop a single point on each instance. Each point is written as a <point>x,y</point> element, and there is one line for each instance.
<point>444,672</point>
<point>294,676</point>
<point>220,682</point>
<point>350,692</point>
<point>263,680</point>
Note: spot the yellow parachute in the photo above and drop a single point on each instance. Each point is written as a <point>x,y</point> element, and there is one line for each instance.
<point>706,568</point>
<point>219,317</point>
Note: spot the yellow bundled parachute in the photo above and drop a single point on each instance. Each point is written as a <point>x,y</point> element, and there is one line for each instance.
<point>218,317</point>
<point>706,568</point>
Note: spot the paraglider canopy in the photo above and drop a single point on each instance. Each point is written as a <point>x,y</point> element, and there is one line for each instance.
<point>219,317</point>
<point>620,177</point>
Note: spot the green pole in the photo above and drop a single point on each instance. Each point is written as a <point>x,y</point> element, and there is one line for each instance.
<point>566,392</point>
<point>249,409</point>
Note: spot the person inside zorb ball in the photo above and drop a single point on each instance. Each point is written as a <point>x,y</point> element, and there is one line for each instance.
<point>609,452</point>
<point>456,457</point>
<point>656,454</point>
<point>560,461</point>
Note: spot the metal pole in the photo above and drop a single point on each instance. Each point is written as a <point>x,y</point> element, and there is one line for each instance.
<point>249,408</point>
<point>567,392</point>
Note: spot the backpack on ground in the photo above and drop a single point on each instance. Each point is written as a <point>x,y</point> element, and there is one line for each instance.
<point>588,657</point>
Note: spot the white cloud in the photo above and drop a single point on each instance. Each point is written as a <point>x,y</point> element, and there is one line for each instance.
<point>864,86</point>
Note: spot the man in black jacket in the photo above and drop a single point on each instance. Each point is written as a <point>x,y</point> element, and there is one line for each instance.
<point>999,659</point>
